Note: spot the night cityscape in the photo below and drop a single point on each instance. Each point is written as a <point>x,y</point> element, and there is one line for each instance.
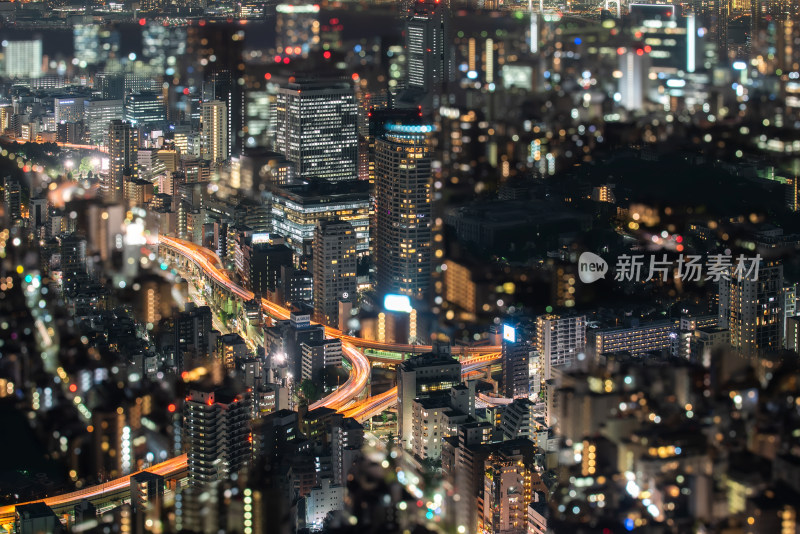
<point>400,266</point>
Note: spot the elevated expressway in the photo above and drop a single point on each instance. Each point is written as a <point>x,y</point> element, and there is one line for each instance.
<point>343,399</point>
<point>100,495</point>
<point>208,262</point>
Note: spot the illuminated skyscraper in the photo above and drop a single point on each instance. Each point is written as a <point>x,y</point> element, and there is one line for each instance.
<point>752,309</point>
<point>634,65</point>
<point>12,195</point>
<point>214,125</point>
<point>23,59</point>
<point>69,109</point>
<point>720,19</point>
<point>428,45</point>
<point>98,115</point>
<point>220,84</point>
<point>317,128</point>
<point>335,264</point>
<point>403,209</point>
<point>123,150</point>
<point>145,109</point>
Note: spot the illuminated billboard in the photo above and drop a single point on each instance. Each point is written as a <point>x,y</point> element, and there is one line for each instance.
<point>260,238</point>
<point>509,333</point>
<point>397,303</point>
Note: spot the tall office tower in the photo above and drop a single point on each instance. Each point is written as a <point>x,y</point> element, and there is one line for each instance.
<point>752,308</point>
<point>334,272</point>
<point>68,109</point>
<point>145,109</point>
<point>98,114</point>
<point>428,46</point>
<point>23,59</point>
<point>403,210</point>
<point>786,53</point>
<point>517,348</point>
<point>123,149</point>
<point>214,62</point>
<point>758,9</point>
<point>633,83</point>
<point>220,85</point>
<point>110,86</point>
<point>214,127</point>
<point>317,128</point>
<point>192,334</point>
<point>559,340</point>
<point>216,425</point>
<point>135,83</point>
<point>720,19</point>
<point>39,212</point>
<point>424,375</point>
<point>670,35</point>
<point>12,196</point>
<point>86,43</point>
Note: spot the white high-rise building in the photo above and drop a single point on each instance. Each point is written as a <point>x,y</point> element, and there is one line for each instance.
<point>98,114</point>
<point>559,340</point>
<point>214,125</point>
<point>316,128</point>
<point>634,65</point>
<point>23,59</point>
